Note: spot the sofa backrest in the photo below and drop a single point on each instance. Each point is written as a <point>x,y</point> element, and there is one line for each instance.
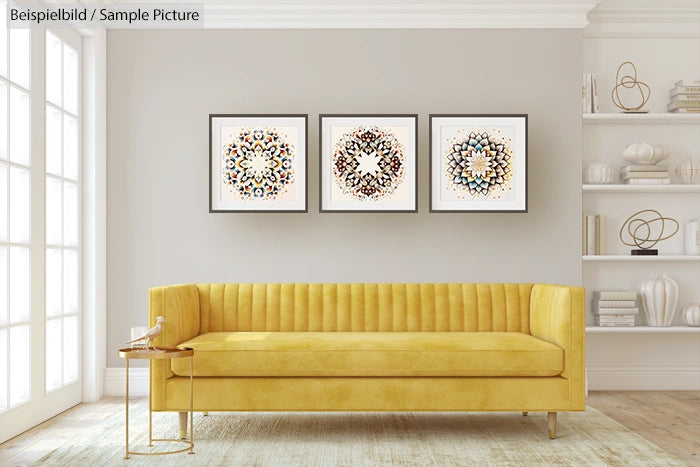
<point>364,307</point>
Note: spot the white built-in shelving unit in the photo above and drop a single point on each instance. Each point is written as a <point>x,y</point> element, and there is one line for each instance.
<point>658,39</point>
<point>618,188</point>
<point>643,330</point>
<point>641,258</point>
<point>641,118</point>
<point>618,269</point>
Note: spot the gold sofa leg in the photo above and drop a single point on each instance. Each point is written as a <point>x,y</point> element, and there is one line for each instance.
<point>183,425</point>
<point>525,414</point>
<point>206,414</point>
<point>552,424</point>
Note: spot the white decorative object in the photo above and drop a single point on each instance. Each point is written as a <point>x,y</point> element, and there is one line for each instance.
<point>659,297</point>
<point>660,153</point>
<point>599,173</point>
<point>151,334</point>
<point>639,153</point>
<point>692,238</point>
<point>688,170</point>
<point>691,314</point>
<point>137,332</point>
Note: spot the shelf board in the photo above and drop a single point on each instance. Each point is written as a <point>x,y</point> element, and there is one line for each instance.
<point>619,188</point>
<point>642,330</point>
<point>641,258</point>
<point>648,118</point>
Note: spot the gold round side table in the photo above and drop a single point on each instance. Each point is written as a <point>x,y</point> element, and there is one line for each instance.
<point>158,353</point>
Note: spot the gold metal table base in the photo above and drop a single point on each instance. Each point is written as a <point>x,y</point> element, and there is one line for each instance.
<point>190,447</point>
<point>158,353</point>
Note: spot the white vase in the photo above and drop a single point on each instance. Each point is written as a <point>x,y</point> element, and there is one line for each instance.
<point>691,314</point>
<point>688,170</point>
<point>599,173</point>
<point>659,297</point>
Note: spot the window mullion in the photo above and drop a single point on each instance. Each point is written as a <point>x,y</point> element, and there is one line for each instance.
<point>38,224</point>
<point>63,216</point>
<point>63,125</point>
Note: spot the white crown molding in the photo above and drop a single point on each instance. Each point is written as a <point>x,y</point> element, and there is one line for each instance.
<point>644,18</point>
<point>390,14</point>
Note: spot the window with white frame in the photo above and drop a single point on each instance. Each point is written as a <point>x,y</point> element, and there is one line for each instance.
<point>62,212</point>
<point>15,228</point>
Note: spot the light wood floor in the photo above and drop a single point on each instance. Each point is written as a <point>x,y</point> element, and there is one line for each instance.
<point>670,419</point>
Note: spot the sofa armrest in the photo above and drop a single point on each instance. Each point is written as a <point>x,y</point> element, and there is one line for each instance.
<point>179,305</point>
<point>557,315</point>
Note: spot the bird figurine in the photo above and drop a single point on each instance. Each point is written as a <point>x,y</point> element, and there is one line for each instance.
<point>152,333</point>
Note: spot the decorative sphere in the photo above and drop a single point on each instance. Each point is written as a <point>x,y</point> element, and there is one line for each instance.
<point>691,314</point>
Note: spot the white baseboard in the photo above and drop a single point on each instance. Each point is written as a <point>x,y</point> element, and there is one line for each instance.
<point>644,376</point>
<point>115,384</point>
<point>610,376</point>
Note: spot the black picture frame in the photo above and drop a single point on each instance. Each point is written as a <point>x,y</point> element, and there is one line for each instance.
<point>519,177</point>
<point>355,120</point>
<point>260,206</point>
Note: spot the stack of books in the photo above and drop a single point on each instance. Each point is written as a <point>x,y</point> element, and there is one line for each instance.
<point>589,93</point>
<point>595,234</point>
<point>685,96</point>
<point>645,175</point>
<point>614,308</point>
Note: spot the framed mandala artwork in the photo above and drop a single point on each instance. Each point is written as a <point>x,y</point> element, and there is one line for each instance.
<point>368,163</point>
<point>478,163</point>
<point>257,163</point>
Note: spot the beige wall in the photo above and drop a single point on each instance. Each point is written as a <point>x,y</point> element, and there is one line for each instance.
<point>162,85</point>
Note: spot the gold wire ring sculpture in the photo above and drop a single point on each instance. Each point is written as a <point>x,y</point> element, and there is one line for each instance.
<point>629,81</point>
<point>633,225</point>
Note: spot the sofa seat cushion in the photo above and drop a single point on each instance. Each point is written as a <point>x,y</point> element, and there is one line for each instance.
<point>370,354</point>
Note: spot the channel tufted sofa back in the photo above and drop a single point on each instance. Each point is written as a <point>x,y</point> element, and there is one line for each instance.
<point>364,307</point>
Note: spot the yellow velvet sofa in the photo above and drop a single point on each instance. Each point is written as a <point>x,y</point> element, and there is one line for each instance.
<point>372,347</point>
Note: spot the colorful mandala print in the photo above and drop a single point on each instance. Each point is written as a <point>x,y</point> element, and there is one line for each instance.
<point>368,163</point>
<point>258,164</point>
<point>479,164</point>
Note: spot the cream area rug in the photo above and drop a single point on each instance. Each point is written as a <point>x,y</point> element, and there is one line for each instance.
<point>93,434</point>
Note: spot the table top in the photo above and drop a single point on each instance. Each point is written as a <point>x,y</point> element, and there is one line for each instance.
<point>156,353</point>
